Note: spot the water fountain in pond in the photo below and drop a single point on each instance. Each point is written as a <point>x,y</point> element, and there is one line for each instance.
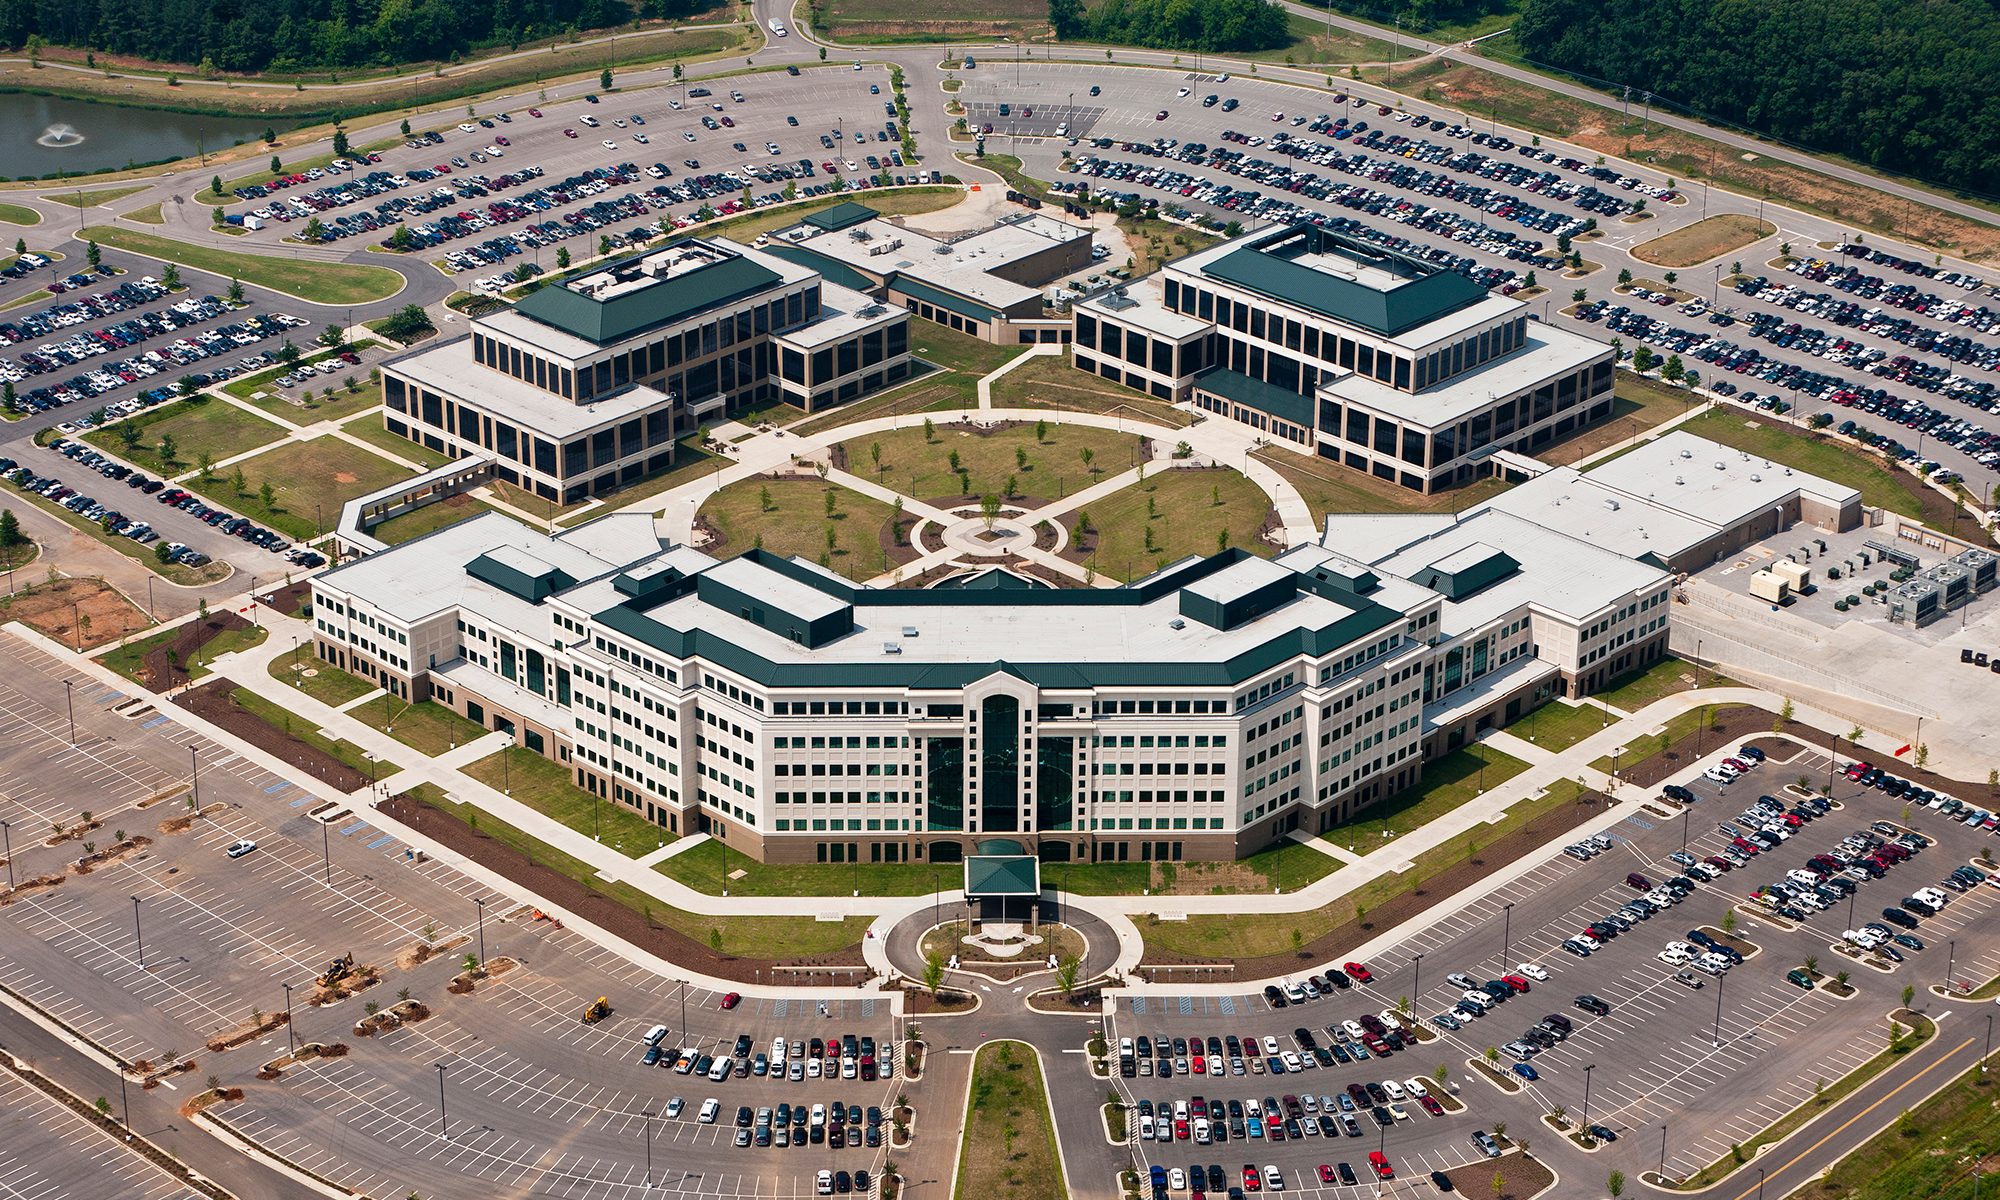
<point>59,136</point>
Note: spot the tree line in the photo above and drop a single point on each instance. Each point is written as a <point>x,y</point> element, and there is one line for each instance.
<point>1205,25</point>
<point>294,35</point>
<point>1897,84</point>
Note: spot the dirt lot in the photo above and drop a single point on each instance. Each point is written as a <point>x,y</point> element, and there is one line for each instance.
<point>1520,1177</point>
<point>1697,243</point>
<point>164,667</point>
<point>567,894</point>
<point>1685,156</point>
<point>57,608</point>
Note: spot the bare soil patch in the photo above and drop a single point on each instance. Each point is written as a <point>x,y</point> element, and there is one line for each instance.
<point>61,607</point>
<point>1521,1177</point>
<point>1694,244</point>
<point>212,701</point>
<point>1733,725</point>
<point>166,665</point>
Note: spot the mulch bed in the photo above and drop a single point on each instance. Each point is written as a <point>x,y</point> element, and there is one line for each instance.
<point>167,665</point>
<point>567,894</point>
<point>213,702</point>
<point>1337,944</point>
<point>1520,1177</point>
<point>288,600</point>
<point>1734,724</point>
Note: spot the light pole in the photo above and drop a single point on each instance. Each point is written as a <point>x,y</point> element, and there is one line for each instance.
<point>444,1126</point>
<point>1586,1097</point>
<point>138,935</point>
<point>1417,984</point>
<point>937,892</point>
<point>1718,1009</point>
<point>7,838</point>
<point>1760,1183</point>
<point>291,1040</point>
<point>649,1114</point>
<point>326,852</point>
<point>1506,933</point>
<point>69,702</point>
<point>1663,1152</point>
<point>1988,1052</point>
<point>481,903</point>
<point>1950,959</point>
<point>194,781</point>
<point>125,1101</point>
<point>684,1006</point>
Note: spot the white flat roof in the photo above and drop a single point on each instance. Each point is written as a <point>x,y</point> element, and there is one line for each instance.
<point>843,312</point>
<point>1147,311</point>
<point>450,370</point>
<point>1548,353</point>
<point>959,266</point>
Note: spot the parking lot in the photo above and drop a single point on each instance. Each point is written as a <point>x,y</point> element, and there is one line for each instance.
<point>1712,1064</point>
<point>533,1093</point>
<point>1900,347</point>
<point>578,170</point>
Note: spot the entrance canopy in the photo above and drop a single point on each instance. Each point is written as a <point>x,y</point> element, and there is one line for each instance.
<point>1002,875</point>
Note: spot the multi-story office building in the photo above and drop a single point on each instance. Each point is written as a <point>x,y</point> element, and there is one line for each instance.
<point>1334,347</point>
<point>1200,713</point>
<point>585,385</point>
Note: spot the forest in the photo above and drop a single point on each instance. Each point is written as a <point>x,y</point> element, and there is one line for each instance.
<point>1206,25</point>
<point>294,35</point>
<point>1905,86</point>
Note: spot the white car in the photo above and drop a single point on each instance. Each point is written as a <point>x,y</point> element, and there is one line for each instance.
<point>1415,1087</point>
<point>1183,92</point>
<point>468,127</point>
<point>1589,943</point>
<point>238,849</point>
<point>1534,971</point>
<point>674,1107</point>
<point>824,1185</point>
<point>1394,1089</point>
<point>609,144</point>
<point>1353,1029</point>
<point>1481,999</point>
<point>1673,958</point>
<point>1720,775</point>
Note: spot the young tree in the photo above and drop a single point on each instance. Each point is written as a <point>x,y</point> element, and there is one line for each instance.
<point>604,79</point>
<point>10,530</point>
<point>562,258</point>
<point>267,495</point>
<point>340,143</point>
<point>989,509</point>
<point>332,337</point>
<point>93,255</point>
<point>170,277</point>
<point>1615,1184</point>
<point>236,291</point>
<point>933,972</point>
<point>169,449</point>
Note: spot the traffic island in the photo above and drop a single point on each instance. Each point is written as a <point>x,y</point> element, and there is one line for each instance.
<point>1492,1074</point>
<point>1512,1176</point>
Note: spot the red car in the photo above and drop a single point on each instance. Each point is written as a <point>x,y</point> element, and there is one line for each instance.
<point>569,133</point>
<point>1431,1105</point>
<point>731,1000</point>
<point>1326,1174</point>
<point>534,112</point>
<point>1252,1181</point>
<point>1518,982</point>
<point>1357,972</point>
<point>1380,1162</point>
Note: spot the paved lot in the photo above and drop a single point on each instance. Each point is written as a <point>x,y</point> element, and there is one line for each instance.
<point>533,1094</point>
<point>1658,1060</point>
<point>48,1152</point>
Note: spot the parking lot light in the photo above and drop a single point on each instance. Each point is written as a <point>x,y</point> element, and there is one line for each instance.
<point>480,901</point>
<point>1506,931</point>
<point>1586,1097</point>
<point>291,1039</point>
<point>649,1114</point>
<point>1950,960</point>
<point>7,840</point>
<point>69,700</point>
<point>444,1126</point>
<point>1718,1008</point>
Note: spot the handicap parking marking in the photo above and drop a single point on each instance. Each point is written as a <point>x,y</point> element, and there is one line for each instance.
<point>279,786</point>
<point>1635,820</point>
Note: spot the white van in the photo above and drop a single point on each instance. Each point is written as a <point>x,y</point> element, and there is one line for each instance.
<point>709,1108</point>
<point>721,1068</point>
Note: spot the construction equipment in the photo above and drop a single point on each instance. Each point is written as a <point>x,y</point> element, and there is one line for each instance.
<point>597,1011</point>
<point>337,970</point>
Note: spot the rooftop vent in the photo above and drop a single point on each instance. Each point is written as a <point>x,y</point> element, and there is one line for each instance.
<point>1176,623</point>
<point>1678,481</point>
<point>1756,478</point>
<point>891,648</point>
<point>1687,453</point>
<point>1612,505</point>
<point>909,631</point>
<point>1721,466</point>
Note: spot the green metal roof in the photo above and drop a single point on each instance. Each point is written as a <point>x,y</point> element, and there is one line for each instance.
<point>941,298</point>
<point>607,321</point>
<point>1265,266</point>
<point>533,586</point>
<point>1002,875</point>
<point>832,269</point>
<point>842,215</point>
<point>1255,393</point>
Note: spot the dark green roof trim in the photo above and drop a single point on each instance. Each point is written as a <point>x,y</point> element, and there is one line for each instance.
<point>1002,875</point>
<point>946,300</point>
<point>832,269</point>
<point>605,322</point>
<point>1264,266</point>
<point>1255,393</point>
<point>1366,618</point>
<point>517,583</point>
<point>1468,581</point>
<point>842,215</point>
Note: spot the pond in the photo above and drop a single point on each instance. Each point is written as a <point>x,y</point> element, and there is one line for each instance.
<point>41,135</point>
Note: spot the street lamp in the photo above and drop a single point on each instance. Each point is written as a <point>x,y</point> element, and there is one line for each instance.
<point>137,934</point>
<point>1417,984</point>
<point>480,901</point>
<point>444,1126</point>
<point>1586,1097</point>
<point>291,1040</point>
<point>1718,1009</point>
<point>326,852</point>
<point>649,1114</point>
<point>69,701</point>
<point>1950,959</point>
<point>1506,932</point>
<point>7,839</point>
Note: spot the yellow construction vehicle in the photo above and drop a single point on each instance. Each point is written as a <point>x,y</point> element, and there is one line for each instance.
<point>337,970</point>
<point>597,1011</point>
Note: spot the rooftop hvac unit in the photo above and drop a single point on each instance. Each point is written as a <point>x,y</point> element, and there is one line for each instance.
<point>1721,466</point>
<point>909,631</point>
<point>1687,453</point>
<point>1176,623</point>
<point>1756,478</point>
<point>891,648</point>
<point>1612,505</point>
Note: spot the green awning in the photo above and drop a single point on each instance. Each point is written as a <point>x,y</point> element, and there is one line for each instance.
<point>1002,875</point>
<point>1255,393</point>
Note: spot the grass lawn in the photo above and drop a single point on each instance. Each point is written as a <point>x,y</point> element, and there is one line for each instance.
<point>548,788</point>
<point>327,684</point>
<point>15,214</point>
<point>1042,469</point>
<point>1692,245</point>
<point>1637,404</point>
<point>902,20</point>
<point>937,391</point>
<point>693,461</point>
<point>1170,515</point>
<point>1327,488</point>
<point>795,522</point>
<point>1311,44</point>
<point>702,868</point>
<point>126,659</point>
<point>429,726</point>
<point>1224,938</point>
<point>90,199</point>
<point>752,937</point>
<point>1881,485</point>
<point>309,482</point>
<point>312,281</point>
<point>1914,1159</point>
<point>369,428</point>
<point>1446,783</point>
<point>1558,726</point>
<point>1008,167</point>
<point>1154,241</point>
<point>430,518</point>
<point>149,215</point>
<point>1010,1139</point>
<point>1052,381</point>
<point>1637,689</point>
<point>894,202</point>
<point>216,427</point>
<point>957,351</point>
<point>330,398</point>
